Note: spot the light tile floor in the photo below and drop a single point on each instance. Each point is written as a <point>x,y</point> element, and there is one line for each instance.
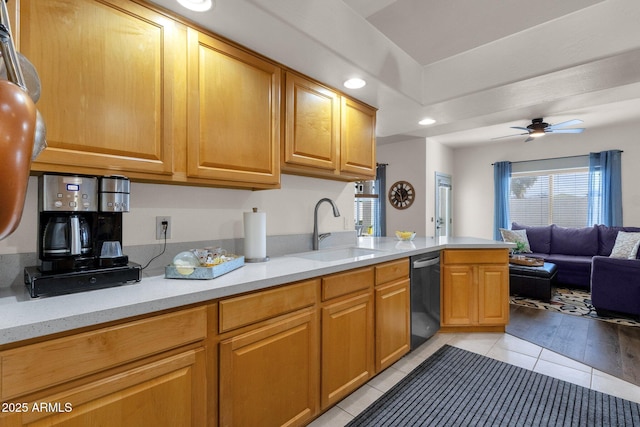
<point>504,347</point>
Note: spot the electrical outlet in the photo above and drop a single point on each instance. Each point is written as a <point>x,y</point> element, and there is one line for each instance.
<point>159,227</point>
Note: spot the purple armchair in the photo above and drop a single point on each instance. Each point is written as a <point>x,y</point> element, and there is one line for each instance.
<point>615,285</point>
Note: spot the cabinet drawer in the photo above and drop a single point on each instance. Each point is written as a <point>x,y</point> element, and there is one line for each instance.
<point>393,270</point>
<point>245,310</point>
<point>344,283</point>
<point>164,393</point>
<point>476,256</point>
<point>45,364</point>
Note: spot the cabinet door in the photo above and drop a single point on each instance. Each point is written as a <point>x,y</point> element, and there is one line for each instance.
<point>234,114</point>
<point>112,76</point>
<point>269,376</point>
<point>459,296</point>
<point>312,125</point>
<point>169,392</point>
<point>357,144</point>
<point>493,298</point>
<point>347,347</point>
<point>393,331</point>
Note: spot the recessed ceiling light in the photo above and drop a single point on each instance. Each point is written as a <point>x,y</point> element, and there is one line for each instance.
<point>427,121</point>
<point>354,83</point>
<point>197,5</point>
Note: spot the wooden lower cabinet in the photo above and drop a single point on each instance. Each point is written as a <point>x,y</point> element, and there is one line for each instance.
<point>393,323</point>
<point>274,357</point>
<point>150,371</point>
<point>459,296</point>
<point>269,376</point>
<point>347,322</point>
<point>475,289</point>
<point>347,347</point>
<point>493,295</point>
<point>393,312</point>
<point>168,392</point>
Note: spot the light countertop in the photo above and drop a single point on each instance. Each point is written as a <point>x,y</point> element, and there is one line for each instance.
<point>24,318</point>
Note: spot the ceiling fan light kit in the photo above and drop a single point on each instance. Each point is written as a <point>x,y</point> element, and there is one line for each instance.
<point>539,128</point>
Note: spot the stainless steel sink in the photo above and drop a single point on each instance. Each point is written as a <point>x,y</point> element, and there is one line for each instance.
<point>336,254</point>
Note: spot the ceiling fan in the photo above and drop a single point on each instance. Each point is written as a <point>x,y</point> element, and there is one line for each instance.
<point>539,128</point>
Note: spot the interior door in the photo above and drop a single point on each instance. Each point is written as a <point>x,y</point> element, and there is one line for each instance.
<point>443,214</point>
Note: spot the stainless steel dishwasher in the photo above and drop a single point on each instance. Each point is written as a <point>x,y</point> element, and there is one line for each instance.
<point>425,297</point>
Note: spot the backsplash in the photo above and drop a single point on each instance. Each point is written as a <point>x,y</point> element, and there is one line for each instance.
<point>12,265</point>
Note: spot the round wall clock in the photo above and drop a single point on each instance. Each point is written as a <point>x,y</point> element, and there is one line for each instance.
<point>401,195</point>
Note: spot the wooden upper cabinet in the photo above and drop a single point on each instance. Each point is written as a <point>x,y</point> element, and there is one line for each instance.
<point>128,89</point>
<point>327,135</point>
<point>312,135</point>
<point>111,74</point>
<point>233,110</point>
<point>358,146</point>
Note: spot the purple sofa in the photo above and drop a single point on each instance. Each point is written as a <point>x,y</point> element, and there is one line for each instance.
<point>582,257</point>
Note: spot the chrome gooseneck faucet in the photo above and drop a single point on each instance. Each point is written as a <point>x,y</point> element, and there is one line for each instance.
<point>318,238</point>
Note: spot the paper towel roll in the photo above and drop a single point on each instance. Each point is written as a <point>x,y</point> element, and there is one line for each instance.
<point>255,236</point>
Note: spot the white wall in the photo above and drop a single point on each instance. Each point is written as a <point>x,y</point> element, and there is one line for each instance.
<point>439,159</point>
<point>473,193</point>
<point>406,162</point>
<point>199,214</point>
<point>416,161</point>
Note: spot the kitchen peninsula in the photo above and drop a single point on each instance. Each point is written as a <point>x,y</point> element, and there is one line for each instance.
<point>206,351</point>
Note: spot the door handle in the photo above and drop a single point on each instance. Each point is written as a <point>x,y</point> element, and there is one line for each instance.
<point>426,263</point>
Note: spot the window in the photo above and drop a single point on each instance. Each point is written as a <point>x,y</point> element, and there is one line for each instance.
<point>364,215</point>
<point>547,192</point>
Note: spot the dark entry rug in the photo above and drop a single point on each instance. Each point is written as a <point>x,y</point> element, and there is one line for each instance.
<point>455,387</point>
<point>575,302</point>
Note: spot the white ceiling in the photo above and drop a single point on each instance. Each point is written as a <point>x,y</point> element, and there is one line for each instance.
<point>477,67</point>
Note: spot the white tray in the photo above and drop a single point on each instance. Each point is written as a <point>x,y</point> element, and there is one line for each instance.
<point>204,273</point>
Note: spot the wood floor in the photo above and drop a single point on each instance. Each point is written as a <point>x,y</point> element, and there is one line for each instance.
<point>608,347</point>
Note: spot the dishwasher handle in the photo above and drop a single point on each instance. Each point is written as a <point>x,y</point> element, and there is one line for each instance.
<point>422,263</point>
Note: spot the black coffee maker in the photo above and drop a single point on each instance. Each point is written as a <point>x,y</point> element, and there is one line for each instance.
<point>80,235</point>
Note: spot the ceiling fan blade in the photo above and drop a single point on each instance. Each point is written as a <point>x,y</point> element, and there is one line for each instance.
<point>564,124</point>
<point>576,130</point>
<point>521,128</point>
<point>529,139</point>
<point>509,136</point>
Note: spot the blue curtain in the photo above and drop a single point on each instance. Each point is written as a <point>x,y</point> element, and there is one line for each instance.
<point>380,208</point>
<point>501,178</point>
<point>605,188</point>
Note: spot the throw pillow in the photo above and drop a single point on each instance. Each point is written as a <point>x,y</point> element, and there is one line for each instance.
<point>539,237</point>
<point>626,245</point>
<point>634,251</point>
<point>515,236</point>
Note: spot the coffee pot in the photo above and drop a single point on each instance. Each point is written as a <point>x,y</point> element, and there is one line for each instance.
<point>80,235</point>
<point>66,236</point>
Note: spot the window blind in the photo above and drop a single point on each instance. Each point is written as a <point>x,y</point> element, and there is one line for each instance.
<point>544,197</point>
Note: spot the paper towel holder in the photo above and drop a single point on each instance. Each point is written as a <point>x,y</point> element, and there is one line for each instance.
<point>254,260</point>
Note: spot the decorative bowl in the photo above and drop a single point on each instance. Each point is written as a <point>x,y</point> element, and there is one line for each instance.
<point>405,236</point>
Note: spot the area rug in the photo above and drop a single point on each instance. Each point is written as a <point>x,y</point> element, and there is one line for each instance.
<point>572,301</point>
<point>455,387</point>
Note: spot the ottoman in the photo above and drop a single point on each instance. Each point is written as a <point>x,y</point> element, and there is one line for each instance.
<point>532,282</point>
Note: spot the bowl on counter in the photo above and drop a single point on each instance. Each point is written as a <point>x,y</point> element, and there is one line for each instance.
<point>405,236</point>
